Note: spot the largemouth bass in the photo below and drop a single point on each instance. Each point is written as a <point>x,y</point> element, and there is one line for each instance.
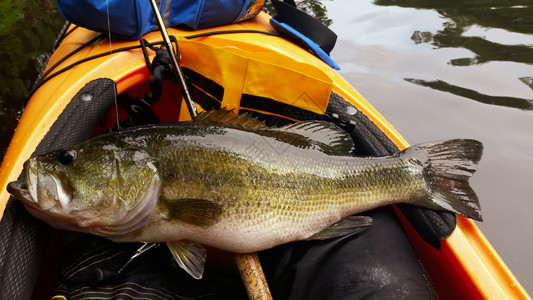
<point>235,184</point>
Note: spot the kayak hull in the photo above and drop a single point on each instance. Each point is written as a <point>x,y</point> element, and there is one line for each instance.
<point>259,65</point>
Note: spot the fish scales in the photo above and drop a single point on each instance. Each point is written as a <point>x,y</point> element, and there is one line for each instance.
<point>287,195</point>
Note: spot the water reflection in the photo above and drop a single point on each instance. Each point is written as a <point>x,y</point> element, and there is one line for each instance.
<point>474,95</point>
<point>513,15</point>
<point>508,16</point>
<point>314,8</point>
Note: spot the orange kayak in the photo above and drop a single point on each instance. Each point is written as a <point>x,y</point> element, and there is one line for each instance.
<point>256,65</point>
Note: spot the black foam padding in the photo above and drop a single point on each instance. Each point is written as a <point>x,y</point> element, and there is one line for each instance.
<point>23,239</point>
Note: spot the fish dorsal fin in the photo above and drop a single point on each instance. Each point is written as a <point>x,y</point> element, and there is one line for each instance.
<point>331,138</point>
<point>215,115</point>
<point>337,140</point>
<point>198,212</point>
<point>189,256</point>
<point>227,116</point>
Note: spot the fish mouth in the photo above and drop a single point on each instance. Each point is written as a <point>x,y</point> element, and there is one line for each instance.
<point>40,188</point>
<point>25,189</point>
<point>20,191</point>
<point>49,206</point>
<point>20,188</point>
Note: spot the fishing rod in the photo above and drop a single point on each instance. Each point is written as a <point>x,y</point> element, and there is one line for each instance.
<point>176,68</point>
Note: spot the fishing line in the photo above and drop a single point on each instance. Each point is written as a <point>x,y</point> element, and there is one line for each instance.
<point>112,68</point>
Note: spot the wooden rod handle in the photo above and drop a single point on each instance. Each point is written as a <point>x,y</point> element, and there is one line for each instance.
<point>252,276</point>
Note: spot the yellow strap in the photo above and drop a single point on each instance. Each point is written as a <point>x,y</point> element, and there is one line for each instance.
<point>260,74</point>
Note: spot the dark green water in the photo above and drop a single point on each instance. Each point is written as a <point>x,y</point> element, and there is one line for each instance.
<point>28,30</point>
<point>434,69</point>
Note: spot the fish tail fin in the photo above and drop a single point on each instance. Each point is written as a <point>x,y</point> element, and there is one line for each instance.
<point>447,170</point>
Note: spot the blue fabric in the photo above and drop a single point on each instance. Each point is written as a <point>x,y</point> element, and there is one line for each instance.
<point>197,14</point>
<point>131,19</point>
<point>308,43</point>
<point>128,19</point>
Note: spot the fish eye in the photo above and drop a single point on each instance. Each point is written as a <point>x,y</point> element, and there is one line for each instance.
<point>66,157</point>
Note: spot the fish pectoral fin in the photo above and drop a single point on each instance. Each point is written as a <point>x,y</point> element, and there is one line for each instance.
<point>199,212</point>
<point>189,256</point>
<point>344,227</point>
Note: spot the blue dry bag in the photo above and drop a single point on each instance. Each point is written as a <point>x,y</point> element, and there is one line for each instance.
<point>131,19</point>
